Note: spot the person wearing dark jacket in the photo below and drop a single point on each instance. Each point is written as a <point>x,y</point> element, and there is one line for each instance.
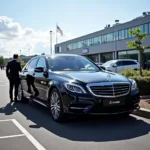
<point>12,72</point>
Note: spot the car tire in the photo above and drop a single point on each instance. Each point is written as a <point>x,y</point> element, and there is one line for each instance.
<point>21,97</point>
<point>56,106</point>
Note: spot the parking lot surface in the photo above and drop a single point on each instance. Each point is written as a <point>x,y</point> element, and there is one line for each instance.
<point>29,127</point>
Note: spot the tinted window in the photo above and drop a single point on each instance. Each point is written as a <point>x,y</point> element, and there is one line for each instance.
<point>71,63</point>
<point>41,62</point>
<point>129,63</point>
<point>119,63</point>
<point>32,64</point>
<point>110,37</point>
<point>146,28</point>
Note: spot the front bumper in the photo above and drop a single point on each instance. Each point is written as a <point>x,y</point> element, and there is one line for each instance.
<point>101,106</point>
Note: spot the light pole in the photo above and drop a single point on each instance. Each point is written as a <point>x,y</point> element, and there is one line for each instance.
<point>20,52</point>
<point>50,42</point>
<point>116,21</point>
<point>29,51</point>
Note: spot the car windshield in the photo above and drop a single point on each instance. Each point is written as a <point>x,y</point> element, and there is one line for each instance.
<point>109,63</point>
<point>71,63</point>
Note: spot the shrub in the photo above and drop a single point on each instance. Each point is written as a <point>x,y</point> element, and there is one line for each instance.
<point>143,82</point>
<point>131,73</point>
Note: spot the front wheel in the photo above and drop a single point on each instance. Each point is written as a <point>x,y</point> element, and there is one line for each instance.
<point>56,106</point>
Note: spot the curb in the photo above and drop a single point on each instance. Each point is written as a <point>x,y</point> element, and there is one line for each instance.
<point>142,113</point>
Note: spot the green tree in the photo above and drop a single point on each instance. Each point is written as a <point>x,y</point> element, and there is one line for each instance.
<point>21,62</point>
<point>137,44</point>
<point>2,60</point>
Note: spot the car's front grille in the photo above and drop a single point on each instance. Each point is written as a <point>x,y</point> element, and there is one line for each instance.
<point>109,90</point>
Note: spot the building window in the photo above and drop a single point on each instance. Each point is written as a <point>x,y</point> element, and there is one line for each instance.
<point>120,35</point>
<point>123,34</point>
<point>109,37</point>
<point>94,58</point>
<point>80,44</point>
<point>104,38</point>
<point>90,41</point>
<point>96,40</point>
<point>131,54</point>
<point>58,49</point>
<point>100,39</point>
<point>70,47</point>
<point>133,28</point>
<point>141,28</point>
<point>74,46</point>
<point>126,33</point>
<point>115,35</point>
<point>146,28</point>
<point>129,35</point>
<point>106,57</point>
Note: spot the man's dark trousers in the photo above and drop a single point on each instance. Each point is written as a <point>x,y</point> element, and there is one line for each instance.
<point>13,84</point>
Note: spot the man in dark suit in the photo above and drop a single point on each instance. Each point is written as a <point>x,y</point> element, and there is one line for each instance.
<point>12,72</point>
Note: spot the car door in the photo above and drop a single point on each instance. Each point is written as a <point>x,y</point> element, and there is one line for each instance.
<point>27,77</point>
<point>128,64</point>
<point>41,79</point>
<point>119,66</point>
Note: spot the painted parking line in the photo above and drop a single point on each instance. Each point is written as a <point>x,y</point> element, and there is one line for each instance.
<point>24,133</point>
<point>28,135</point>
<point>5,120</point>
<point>11,136</point>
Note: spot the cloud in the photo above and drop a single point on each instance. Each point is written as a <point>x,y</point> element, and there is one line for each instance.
<point>13,38</point>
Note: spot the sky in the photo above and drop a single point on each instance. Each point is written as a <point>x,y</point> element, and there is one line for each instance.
<point>25,24</point>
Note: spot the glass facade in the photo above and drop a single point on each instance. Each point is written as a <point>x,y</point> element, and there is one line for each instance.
<point>130,54</point>
<point>110,37</point>
<point>106,57</point>
<point>94,58</point>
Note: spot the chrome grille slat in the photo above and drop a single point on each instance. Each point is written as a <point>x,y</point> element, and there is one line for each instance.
<point>109,89</point>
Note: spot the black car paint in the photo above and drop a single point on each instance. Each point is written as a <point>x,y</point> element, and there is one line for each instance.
<point>45,84</point>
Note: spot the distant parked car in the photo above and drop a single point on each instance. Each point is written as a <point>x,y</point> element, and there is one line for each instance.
<point>120,65</point>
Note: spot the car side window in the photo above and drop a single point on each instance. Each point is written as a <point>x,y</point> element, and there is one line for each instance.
<point>126,63</point>
<point>119,63</point>
<point>41,62</point>
<point>32,64</point>
<point>132,63</point>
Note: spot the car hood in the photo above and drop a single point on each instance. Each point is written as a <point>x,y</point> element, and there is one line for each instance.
<point>93,77</point>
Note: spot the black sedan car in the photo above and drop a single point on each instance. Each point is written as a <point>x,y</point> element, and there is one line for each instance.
<point>73,84</point>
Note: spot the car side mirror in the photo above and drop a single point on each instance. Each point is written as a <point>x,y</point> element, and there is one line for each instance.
<point>39,69</point>
<point>115,65</point>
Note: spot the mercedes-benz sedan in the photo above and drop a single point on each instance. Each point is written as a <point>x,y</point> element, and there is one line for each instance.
<point>73,84</point>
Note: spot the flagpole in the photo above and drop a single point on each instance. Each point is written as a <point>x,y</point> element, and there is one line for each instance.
<point>56,34</point>
<point>50,42</point>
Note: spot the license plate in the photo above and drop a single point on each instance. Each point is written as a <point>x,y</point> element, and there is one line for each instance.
<point>113,102</point>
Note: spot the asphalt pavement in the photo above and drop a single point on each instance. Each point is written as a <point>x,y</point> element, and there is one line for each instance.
<point>29,127</point>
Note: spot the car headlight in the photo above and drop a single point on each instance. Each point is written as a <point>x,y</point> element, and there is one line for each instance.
<point>74,88</point>
<point>134,85</point>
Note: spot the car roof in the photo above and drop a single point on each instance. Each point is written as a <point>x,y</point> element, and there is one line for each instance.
<point>126,60</point>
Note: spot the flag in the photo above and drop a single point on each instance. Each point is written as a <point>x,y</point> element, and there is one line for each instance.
<point>59,31</point>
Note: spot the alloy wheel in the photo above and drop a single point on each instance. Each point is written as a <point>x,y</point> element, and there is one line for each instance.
<point>55,105</point>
